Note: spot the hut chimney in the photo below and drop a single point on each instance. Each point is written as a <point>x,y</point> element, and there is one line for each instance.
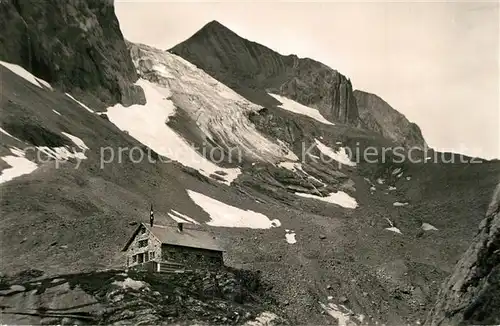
<point>180,226</point>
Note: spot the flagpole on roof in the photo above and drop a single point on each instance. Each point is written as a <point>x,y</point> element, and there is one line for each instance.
<point>151,216</point>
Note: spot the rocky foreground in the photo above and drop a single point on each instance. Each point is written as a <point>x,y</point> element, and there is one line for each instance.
<point>117,297</point>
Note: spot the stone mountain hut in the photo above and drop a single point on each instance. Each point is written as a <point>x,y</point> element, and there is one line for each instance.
<point>160,248</point>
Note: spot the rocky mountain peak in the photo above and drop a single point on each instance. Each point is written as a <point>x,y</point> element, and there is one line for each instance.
<point>215,25</point>
<point>254,70</point>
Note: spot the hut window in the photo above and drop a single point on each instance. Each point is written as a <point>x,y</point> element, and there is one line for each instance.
<point>152,255</point>
<point>134,258</point>
<point>142,243</point>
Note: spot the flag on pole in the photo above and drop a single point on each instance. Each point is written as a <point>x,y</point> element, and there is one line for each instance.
<point>151,216</point>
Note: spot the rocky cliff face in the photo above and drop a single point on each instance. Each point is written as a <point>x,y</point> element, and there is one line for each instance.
<point>254,70</point>
<point>377,115</point>
<point>75,45</point>
<point>472,293</point>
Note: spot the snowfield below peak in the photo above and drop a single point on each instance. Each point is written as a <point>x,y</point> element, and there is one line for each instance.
<point>225,215</point>
<point>339,156</point>
<point>220,113</point>
<point>295,107</point>
<point>148,124</point>
<point>340,198</point>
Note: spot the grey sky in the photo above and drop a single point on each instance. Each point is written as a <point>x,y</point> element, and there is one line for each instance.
<point>437,63</point>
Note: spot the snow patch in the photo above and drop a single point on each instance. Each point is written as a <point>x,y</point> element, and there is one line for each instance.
<point>147,124</point>
<point>339,198</point>
<point>290,237</point>
<point>292,166</point>
<point>219,113</point>
<point>399,204</point>
<point>289,154</point>
<point>64,153</point>
<point>428,227</point>
<point>23,73</point>
<point>408,178</point>
<point>130,283</point>
<point>394,229</point>
<point>225,215</point>
<point>57,280</point>
<point>297,167</point>
<point>56,112</point>
<point>343,315</point>
<point>380,181</point>
<point>372,188</point>
<point>61,153</point>
<point>12,289</point>
<point>19,165</point>
<point>81,104</point>
<point>77,141</point>
<point>264,319</point>
<point>16,151</point>
<point>339,156</point>
<point>162,70</point>
<point>316,179</point>
<point>295,107</point>
<point>396,171</point>
<point>391,188</point>
<point>6,133</point>
<point>181,218</point>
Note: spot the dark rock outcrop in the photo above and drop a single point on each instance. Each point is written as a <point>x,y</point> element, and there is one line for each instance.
<point>114,297</point>
<point>471,296</point>
<point>254,70</point>
<point>377,115</point>
<point>75,45</point>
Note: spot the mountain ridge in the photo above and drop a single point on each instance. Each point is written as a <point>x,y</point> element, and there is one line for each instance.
<point>254,70</point>
<point>221,52</point>
<point>378,115</point>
